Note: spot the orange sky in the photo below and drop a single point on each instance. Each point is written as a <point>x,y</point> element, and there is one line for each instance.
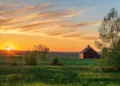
<point>24,42</point>
<point>24,24</point>
<point>62,25</point>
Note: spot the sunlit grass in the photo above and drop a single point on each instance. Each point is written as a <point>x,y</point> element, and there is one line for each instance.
<point>75,72</point>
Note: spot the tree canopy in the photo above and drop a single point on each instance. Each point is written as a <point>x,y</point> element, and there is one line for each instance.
<point>109,30</point>
<point>109,39</point>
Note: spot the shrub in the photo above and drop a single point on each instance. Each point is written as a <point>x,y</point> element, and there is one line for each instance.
<point>10,60</point>
<point>13,64</point>
<point>110,69</point>
<point>55,61</point>
<point>30,58</point>
<point>114,55</point>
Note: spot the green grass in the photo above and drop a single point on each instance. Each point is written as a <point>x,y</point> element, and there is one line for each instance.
<point>75,72</point>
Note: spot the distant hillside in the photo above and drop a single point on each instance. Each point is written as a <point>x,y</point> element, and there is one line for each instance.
<point>50,54</point>
<point>63,54</point>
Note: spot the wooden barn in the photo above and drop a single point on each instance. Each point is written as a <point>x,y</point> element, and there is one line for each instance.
<point>88,53</point>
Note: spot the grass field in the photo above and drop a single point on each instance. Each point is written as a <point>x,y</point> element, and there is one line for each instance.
<point>74,72</point>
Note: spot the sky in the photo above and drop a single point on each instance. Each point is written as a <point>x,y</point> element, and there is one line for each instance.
<point>62,25</point>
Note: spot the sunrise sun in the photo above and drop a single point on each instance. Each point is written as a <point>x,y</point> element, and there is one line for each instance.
<point>9,48</point>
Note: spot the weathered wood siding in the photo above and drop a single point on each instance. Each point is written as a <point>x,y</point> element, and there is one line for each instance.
<point>90,54</point>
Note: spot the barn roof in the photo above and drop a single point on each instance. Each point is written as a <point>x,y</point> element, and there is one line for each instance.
<point>86,49</point>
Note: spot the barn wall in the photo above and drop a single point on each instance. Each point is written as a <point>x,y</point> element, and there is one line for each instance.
<point>81,55</point>
<point>90,54</point>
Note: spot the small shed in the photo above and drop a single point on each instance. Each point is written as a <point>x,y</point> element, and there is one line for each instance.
<point>88,53</point>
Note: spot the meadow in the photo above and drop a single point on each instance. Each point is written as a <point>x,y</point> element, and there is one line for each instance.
<point>74,72</point>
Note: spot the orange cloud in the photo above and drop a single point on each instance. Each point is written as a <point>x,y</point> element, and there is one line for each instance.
<point>89,37</point>
<point>73,34</point>
<point>39,20</point>
<point>60,32</point>
<point>6,6</point>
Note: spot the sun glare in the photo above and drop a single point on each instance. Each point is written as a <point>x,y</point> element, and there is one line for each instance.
<point>9,48</point>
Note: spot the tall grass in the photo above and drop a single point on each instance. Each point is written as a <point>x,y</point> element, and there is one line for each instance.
<point>75,72</point>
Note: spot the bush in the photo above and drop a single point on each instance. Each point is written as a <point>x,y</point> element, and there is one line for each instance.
<point>114,56</point>
<point>110,69</point>
<point>10,60</point>
<point>111,57</point>
<point>13,64</point>
<point>30,58</point>
<point>55,61</point>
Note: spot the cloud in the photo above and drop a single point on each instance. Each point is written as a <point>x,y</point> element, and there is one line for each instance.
<point>41,19</point>
<point>60,32</point>
<point>60,13</point>
<point>7,6</point>
<point>69,29</point>
<point>54,26</point>
<point>4,21</point>
<point>89,37</point>
<point>81,36</point>
<point>20,11</point>
<point>73,34</point>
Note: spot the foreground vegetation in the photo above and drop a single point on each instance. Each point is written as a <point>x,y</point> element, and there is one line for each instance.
<point>74,72</point>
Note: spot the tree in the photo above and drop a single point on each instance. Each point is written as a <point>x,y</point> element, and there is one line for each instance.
<point>31,58</point>
<point>109,30</point>
<point>109,39</point>
<point>114,55</point>
<point>42,50</point>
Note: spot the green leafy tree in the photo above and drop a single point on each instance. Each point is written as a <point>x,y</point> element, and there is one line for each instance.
<point>114,55</point>
<point>41,50</point>
<point>30,58</point>
<point>109,36</point>
<point>109,30</point>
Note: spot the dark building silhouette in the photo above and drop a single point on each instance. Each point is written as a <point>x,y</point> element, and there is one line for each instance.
<point>88,53</point>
